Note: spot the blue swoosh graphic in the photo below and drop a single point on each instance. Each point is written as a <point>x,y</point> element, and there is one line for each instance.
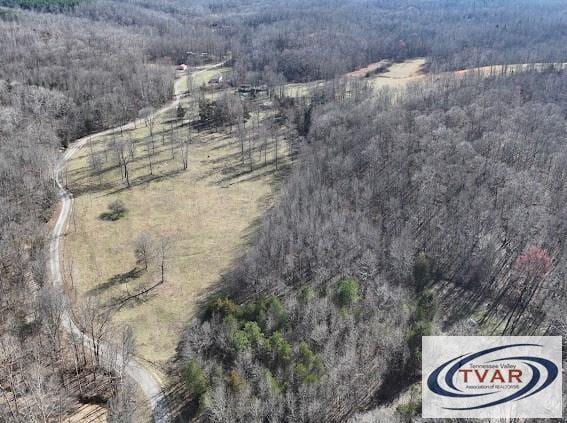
<point>552,371</point>
<point>433,385</point>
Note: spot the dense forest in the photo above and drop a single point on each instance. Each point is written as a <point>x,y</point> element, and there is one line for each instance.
<point>458,188</point>
<point>395,207</point>
<point>300,41</point>
<point>324,39</point>
<point>45,5</point>
<point>94,90</point>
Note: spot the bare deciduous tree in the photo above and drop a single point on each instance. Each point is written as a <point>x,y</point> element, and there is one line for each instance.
<point>148,114</point>
<point>144,250</point>
<point>164,248</point>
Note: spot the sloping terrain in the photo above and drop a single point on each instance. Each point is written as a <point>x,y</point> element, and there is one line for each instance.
<point>445,199</point>
<point>205,211</point>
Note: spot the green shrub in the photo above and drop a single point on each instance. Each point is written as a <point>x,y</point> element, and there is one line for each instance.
<point>116,210</point>
<point>272,383</point>
<point>230,323</point>
<point>281,349</point>
<point>255,335</point>
<point>310,368</point>
<point>261,310</point>
<point>348,292</point>
<point>195,379</point>
<point>306,295</point>
<point>301,371</point>
<point>277,312</point>
<point>239,341</point>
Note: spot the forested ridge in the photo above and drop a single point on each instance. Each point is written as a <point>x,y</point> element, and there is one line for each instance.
<point>70,57</point>
<point>456,188</point>
<point>300,41</point>
<point>45,5</point>
<point>397,205</point>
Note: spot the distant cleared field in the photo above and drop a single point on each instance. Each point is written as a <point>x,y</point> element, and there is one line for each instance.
<point>510,69</point>
<point>397,75</point>
<point>208,211</point>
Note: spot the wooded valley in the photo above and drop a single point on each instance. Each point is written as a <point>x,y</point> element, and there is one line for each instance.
<point>255,230</point>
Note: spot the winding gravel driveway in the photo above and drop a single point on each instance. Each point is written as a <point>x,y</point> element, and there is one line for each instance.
<point>147,382</point>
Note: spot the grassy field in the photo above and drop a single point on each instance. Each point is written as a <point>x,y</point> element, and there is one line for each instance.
<point>398,75</point>
<point>208,211</point>
<point>496,70</point>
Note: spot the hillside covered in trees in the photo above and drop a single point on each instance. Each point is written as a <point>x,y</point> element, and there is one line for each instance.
<point>396,207</point>
<point>457,189</point>
<point>323,39</point>
<point>44,5</point>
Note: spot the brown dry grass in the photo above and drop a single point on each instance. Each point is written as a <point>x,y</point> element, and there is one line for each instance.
<point>499,70</point>
<point>399,74</point>
<point>208,211</point>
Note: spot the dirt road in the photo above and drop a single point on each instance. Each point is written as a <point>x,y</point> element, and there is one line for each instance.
<point>147,382</point>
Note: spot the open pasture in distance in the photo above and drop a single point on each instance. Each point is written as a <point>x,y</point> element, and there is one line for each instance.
<point>510,69</point>
<point>396,75</point>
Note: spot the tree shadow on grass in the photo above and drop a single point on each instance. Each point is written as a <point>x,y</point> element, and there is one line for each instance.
<point>111,216</point>
<point>131,299</point>
<point>144,180</point>
<point>116,280</point>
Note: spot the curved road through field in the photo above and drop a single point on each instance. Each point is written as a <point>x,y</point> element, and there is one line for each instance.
<point>146,381</point>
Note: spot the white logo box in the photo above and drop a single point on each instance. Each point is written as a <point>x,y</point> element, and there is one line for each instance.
<point>491,377</point>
